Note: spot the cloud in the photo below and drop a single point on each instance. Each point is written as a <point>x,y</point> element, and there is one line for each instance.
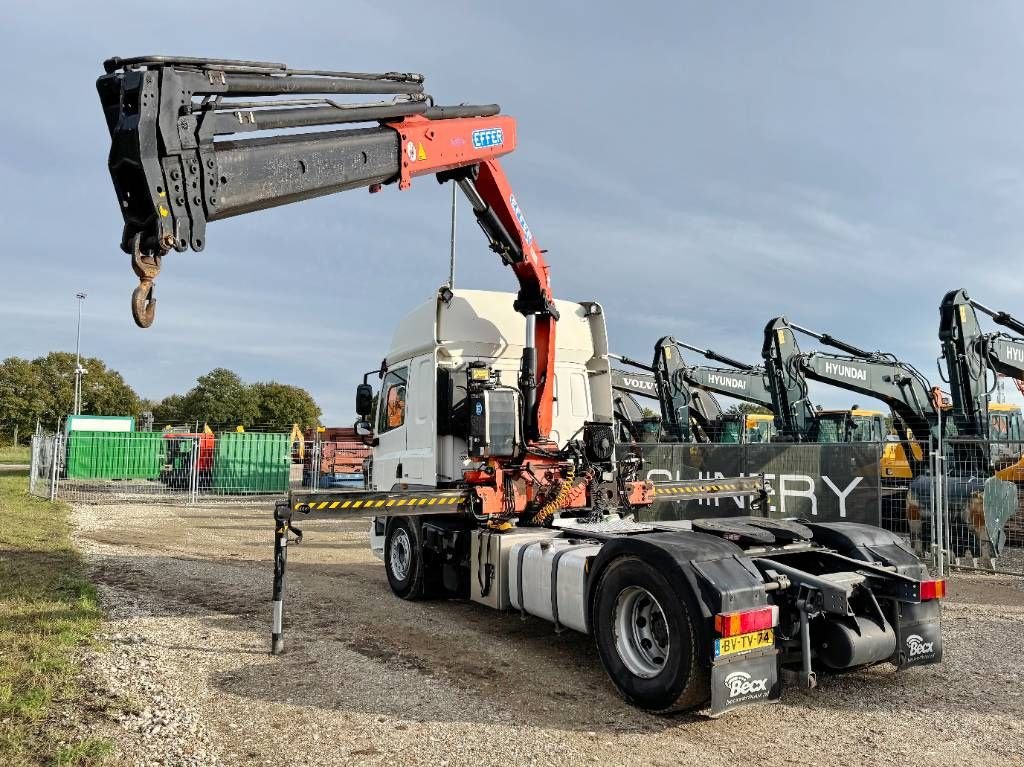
<point>698,169</point>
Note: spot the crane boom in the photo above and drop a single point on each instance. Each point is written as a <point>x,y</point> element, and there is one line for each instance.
<point>172,178</point>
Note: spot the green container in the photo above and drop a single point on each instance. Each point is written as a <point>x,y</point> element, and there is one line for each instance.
<point>115,455</point>
<point>250,462</point>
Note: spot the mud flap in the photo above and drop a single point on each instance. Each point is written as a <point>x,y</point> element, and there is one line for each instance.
<point>918,634</point>
<point>739,680</point>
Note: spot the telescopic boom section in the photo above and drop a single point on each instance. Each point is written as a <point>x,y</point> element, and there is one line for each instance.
<point>172,178</point>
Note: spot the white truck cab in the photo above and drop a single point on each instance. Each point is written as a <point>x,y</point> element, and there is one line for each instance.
<point>424,380</point>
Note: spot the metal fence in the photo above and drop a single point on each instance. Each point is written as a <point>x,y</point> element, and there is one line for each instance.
<point>959,503</point>
<point>187,468</point>
<point>973,489</point>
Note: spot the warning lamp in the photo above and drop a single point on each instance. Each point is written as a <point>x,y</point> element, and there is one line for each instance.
<point>934,589</point>
<point>733,624</point>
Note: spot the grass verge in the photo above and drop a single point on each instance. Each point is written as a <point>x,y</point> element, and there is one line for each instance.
<point>48,611</point>
<point>14,454</point>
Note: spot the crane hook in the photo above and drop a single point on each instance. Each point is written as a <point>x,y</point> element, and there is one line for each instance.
<point>146,267</point>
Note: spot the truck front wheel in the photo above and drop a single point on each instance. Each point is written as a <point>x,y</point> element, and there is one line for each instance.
<point>647,638</point>
<point>403,558</point>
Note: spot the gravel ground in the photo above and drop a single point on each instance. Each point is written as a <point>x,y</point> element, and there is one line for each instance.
<point>370,680</point>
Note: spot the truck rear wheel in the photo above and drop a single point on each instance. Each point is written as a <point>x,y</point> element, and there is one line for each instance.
<point>647,638</point>
<point>403,558</point>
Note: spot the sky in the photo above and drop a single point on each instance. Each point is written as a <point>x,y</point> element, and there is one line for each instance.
<point>698,168</point>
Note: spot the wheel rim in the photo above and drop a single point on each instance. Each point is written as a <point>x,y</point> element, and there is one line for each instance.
<point>401,554</point>
<point>641,632</point>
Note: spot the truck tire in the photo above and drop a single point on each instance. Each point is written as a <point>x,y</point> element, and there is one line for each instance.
<point>648,639</point>
<point>403,558</point>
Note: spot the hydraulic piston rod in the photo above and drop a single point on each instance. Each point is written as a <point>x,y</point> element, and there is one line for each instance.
<point>714,356</point>
<point>834,342</point>
<point>1000,318</point>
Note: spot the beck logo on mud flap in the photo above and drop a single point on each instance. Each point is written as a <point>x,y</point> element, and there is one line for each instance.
<point>918,648</point>
<point>520,218</point>
<point>741,683</point>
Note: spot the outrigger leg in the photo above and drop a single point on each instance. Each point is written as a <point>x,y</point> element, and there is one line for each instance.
<point>282,524</point>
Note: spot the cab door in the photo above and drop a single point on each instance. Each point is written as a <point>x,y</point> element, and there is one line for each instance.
<point>419,466</point>
<point>389,451</point>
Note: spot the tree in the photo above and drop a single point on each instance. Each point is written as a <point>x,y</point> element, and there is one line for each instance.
<point>220,397</point>
<point>169,411</point>
<point>44,389</point>
<point>280,405</point>
<point>746,408</point>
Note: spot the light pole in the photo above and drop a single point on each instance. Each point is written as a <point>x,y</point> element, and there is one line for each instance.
<point>79,370</point>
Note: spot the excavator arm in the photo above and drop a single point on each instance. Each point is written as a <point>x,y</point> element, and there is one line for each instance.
<point>795,417</point>
<point>180,160</point>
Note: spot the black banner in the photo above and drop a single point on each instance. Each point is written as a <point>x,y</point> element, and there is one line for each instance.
<point>822,482</point>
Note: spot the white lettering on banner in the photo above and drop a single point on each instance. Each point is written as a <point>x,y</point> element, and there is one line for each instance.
<point>807,492</point>
<point>841,494</point>
<point>787,486</point>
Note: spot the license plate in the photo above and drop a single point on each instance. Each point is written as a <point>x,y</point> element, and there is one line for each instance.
<point>744,642</point>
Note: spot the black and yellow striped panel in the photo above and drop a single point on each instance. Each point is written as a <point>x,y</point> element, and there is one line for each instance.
<point>361,500</point>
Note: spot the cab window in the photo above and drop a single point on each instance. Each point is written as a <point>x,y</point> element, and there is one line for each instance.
<point>392,400</point>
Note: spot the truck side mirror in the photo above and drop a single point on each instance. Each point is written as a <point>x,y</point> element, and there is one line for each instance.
<point>364,400</point>
<point>364,430</point>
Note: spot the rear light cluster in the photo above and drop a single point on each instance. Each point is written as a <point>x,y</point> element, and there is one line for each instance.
<point>935,589</point>
<point>734,624</point>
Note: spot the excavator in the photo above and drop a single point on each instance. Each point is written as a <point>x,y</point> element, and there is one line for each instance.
<point>911,399</point>
<point>919,415</point>
<point>480,487</point>
<point>689,410</point>
<point>990,433</point>
<point>692,416</point>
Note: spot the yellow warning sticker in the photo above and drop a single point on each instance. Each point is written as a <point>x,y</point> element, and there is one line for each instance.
<point>164,213</point>
<point>422,153</point>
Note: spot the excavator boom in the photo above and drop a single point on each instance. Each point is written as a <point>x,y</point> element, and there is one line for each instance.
<point>875,374</point>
